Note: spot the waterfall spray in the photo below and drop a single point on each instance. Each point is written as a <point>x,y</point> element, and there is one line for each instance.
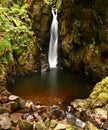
<point>52,56</point>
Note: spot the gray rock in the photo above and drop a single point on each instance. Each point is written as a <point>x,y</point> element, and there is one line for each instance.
<point>13,97</point>
<point>5,121</point>
<point>30,118</point>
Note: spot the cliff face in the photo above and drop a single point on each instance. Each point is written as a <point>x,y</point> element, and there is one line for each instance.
<point>84,31</point>
<point>18,45</point>
<point>83,26</point>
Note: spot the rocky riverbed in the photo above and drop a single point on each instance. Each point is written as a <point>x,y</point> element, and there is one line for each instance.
<point>88,114</point>
<point>20,114</point>
<point>95,107</point>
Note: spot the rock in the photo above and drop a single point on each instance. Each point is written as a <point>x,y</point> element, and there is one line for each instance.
<point>14,128</point>
<point>96,103</point>
<point>74,120</point>
<point>70,128</point>
<point>30,118</point>
<point>39,119</point>
<point>99,95</point>
<point>102,113</point>
<point>80,104</point>
<point>44,63</point>
<point>5,108</point>
<point>13,97</point>
<point>4,99</point>
<point>44,116</point>
<point>77,54</point>
<point>14,106</point>
<point>47,122</point>
<point>90,126</point>
<point>5,121</point>
<point>24,125</point>
<point>41,109</point>
<point>28,104</point>
<point>57,113</point>
<point>60,126</point>
<point>40,126</point>
<point>16,117</point>
<point>15,102</point>
<point>53,123</point>
<point>103,97</point>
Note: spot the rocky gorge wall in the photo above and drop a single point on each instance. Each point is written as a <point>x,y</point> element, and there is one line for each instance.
<point>83,27</point>
<point>84,31</point>
<point>18,44</point>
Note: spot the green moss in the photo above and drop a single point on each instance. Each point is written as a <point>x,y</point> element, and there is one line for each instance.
<point>58,4</point>
<point>54,3</point>
<point>15,25</point>
<point>105,80</point>
<point>103,97</point>
<point>5,46</point>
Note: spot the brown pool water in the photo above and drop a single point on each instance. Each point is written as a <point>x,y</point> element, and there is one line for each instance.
<point>50,88</point>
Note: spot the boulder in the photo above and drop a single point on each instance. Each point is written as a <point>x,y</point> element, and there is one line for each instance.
<point>47,122</point>
<point>90,126</point>
<point>5,121</point>
<point>13,98</point>
<point>64,126</point>
<point>53,123</point>
<point>24,125</point>
<point>40,126</point>
<point>5,108</point>
<point>101,112</point>
<point>60,126</point>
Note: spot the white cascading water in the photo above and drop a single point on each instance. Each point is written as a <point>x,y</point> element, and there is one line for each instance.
<point>52,56</point>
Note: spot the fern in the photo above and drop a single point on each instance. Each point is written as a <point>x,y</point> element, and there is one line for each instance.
<point>15,24</point>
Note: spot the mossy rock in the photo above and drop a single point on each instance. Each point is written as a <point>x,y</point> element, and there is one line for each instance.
<point>96,103</point>
<point>90,126</point>
<point>24,125</point>
<point>101,112</point>
<point>53,123</point>
<point>81,104</point>
<point>103,97</point>
<point>93,95</point>
<point>99,88</point>
<point>40,126</point>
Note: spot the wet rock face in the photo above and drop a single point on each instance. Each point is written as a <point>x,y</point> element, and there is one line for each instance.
<point>41,25</point>
<point>40,13</point>
<point>83,27</point>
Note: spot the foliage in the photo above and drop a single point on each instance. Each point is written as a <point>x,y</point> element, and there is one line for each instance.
<point>58,4</point>
<point>52,3</point>
<point>15,29</point>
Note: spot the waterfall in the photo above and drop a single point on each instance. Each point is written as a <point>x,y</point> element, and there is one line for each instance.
<point>52,56</point>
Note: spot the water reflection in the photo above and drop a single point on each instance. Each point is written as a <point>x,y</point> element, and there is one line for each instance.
<point>50,87</point>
